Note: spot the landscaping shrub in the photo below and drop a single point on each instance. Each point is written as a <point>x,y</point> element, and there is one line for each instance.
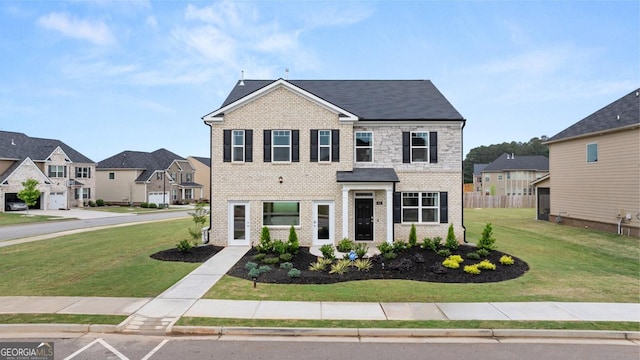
<point>346,245</point>
<point>473,256</point>
<point>294,273</point>
<point>340,267</point>
<point>254,273</point>
<point>293,245</point>
<point>99,202</point>
<point>327,251</point>
<point>250,265</point>
<point>506,260</point>
<point>390,255</point>
<point>264,268</point>
<point>265,241</point>
<point>385,247</point>
<point>453,261</point>
<point>444,252</point>
<point>279,247</point>
<point>472,269</point>
<point>320,264</point>
<point>429,244</point>
<point>153,205</point>
<point>451,243</point>
<point>482,252</point>
<point>413,238</point>
<point>269,260</point>
<point>486,265</point>
<point>286,266</point>
<point>361,250</point>
<point>144,205</point>
<point>400,245</point>
<point>286,257</point>
<point>184,246</point>
<point>91,204</point>
<point>259,256</point>
<point>487,241</point>
<point>363,264</point>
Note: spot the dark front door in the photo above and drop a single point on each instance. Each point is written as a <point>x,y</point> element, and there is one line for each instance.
<point>364,219</point>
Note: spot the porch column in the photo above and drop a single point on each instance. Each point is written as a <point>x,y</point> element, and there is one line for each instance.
<point>345,212</point>
<point>389,194</point>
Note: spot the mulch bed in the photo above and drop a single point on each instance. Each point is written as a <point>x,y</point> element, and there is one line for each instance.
<point>412,264</point>
<point>198,254</point>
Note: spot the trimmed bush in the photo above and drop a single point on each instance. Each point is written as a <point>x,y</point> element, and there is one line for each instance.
<point>254,273</point>
<point>184,246</point>
<point>340,267</point>
<point>99,202</point>
<point>363,264</point>
<point>483,252</point>
<point>444,252</point>
<point>327,251</point>
<point>429,244</point>
<point>486,265</point>
<point>286,257</point>
<point>294,273</point>
<point>264,268</point>
<point>361,250</point>
<point>293,244</point>
<point>506,260</point>
<point>153,206</point>
<point>345,245</point>
<point>452,242</point>
<point>250,265</point>
<point>271,260</point>
<point>473,256</point>
<point>400,245</point>
<point>385,247</point>
<point>413,238</point>
<point>390,255</point>
<point>286,266</point>
<point>487,241</point>
<point>472,269</point>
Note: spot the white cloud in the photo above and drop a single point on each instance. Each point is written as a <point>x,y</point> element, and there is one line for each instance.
<point>93,31</point>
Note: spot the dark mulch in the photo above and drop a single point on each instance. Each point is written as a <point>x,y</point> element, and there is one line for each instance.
<point>413,264</point>
<point>197,254</point>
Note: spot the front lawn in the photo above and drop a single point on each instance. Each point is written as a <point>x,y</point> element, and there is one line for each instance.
<point>566,264</point>
<point>21,217</point>
<point>111,262</point>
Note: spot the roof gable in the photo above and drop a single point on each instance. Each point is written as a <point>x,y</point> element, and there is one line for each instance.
<point>15,168</point>
<point>365,99</point>
<point>621,113</point>
<point>149,163</point>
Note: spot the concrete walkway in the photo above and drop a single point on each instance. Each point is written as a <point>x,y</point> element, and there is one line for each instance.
<point>158,315</point>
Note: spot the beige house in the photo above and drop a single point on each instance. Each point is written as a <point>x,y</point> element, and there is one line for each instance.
<point>66,177</point>
<point>202,166</point>
<point>336,159</point>
<point>511,174</point>
<point>158,177</point>
<point>595,169</point>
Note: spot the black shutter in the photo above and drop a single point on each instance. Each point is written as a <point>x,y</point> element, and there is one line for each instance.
<point>267,146</point>
<point>248,145</point>
<point>65,171</point>
<point>406,147</point>
<point>433,147</point>
<point>444,207</point>
<point>314,146</point>
<point>226,146</point>
<point>397,207</point>
<point>295,145</point>
<point>335,145</point>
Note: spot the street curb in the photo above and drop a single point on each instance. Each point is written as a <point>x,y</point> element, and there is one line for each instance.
<point>372,332</point>
<point>26,328</point>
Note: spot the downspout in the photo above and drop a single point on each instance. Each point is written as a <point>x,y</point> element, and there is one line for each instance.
<point>207,230</point>
<point>464,122</point>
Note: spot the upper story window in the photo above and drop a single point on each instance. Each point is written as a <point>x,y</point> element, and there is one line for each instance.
<point>419,147</point>
<point>592,152</point>
<point>83,172</point>
<point>500,177</point>
<point>59,171</point>
<point>112,176</point>
<point>281,148</point>
<point>189,177</point>
<point>158,176</point>
<point>325,145</point>
<point>237,146</point>
<point>364,146</point>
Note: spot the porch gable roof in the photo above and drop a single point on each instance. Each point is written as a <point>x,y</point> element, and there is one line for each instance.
<point>367,175</point>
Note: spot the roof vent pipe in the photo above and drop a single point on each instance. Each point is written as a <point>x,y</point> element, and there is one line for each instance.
<point>241,79</point>
<point>286,74</point>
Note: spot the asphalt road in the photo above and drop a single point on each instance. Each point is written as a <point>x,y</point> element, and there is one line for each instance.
<point>35,229</point>
<point>133,347</point>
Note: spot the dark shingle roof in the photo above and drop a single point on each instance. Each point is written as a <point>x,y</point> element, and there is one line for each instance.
<point>517,162</point>
<point>204,160</point>
<point>370,99</point>
<point>18,146</point>
<point>160,159</point>
<point>620,113</point>
<point>477,168</point>
<point>367,175</point>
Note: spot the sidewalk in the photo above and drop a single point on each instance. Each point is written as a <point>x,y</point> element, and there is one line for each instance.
<point>158,315</point>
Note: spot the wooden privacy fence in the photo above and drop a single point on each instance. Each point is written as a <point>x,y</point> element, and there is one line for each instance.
<point>477,200</point>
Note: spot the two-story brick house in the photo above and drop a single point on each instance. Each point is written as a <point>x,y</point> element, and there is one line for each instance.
<point>337,159</point>
<point>66,177</point>
<point>512,174</point>
<point>158,177</point>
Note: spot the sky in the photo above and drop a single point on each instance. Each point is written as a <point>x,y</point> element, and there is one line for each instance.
<point>108,76</point>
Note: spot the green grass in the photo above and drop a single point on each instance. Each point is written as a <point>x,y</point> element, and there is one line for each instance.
<point>61,319</point>
<point>8,218</point>
<point>401,324</point>
<point>566,264</point>
<point>110,262</point>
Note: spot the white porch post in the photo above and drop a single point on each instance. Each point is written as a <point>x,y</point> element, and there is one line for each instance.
<point>345,212</point>
<point>389,194</point>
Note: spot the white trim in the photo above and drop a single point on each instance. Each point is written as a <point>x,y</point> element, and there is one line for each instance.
<point>218,115</point>
<point>367,187</point>
<point>355,147</point>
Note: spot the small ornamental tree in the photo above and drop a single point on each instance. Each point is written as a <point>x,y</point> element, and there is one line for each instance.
<point>29,194</point>
<point>452,242</point>
<point>487,241</point>
<point>293,244</point>
<point>199,216</point>
<point>413,238</point>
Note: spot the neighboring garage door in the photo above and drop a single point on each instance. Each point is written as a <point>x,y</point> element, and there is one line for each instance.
<point>57,200</point>
<point>9,197</point>
<point>158,198</point>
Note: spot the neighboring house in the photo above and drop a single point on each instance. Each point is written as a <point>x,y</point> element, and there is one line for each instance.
<point>594,169</point>
<point>512,174</point>
<point>159,177</point>
<point>336,159</point>
<point>66,177</point>
<point>202,167</point>
<point>477,176</point>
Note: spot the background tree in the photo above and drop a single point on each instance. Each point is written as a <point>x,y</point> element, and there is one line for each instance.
<point>29,194</point>
<point>486,154</point>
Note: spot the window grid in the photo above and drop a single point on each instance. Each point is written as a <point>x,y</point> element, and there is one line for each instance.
<point>364,146</point>
<point>238,146</point>
<point>420,207</point>
<point>324,146</point>
<point>281,148</point>
<point>420,147</point>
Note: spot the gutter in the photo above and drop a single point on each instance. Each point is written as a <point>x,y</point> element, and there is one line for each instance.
<point>464,122</point>
<point>207,230</point>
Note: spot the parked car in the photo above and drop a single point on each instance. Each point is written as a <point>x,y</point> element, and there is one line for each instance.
<point>15,206</point>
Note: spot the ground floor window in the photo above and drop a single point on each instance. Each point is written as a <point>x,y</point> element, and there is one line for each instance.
<point>280,213</point>
<point>420,207</point>
<point>188,193</point>
<point>86,193</point>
